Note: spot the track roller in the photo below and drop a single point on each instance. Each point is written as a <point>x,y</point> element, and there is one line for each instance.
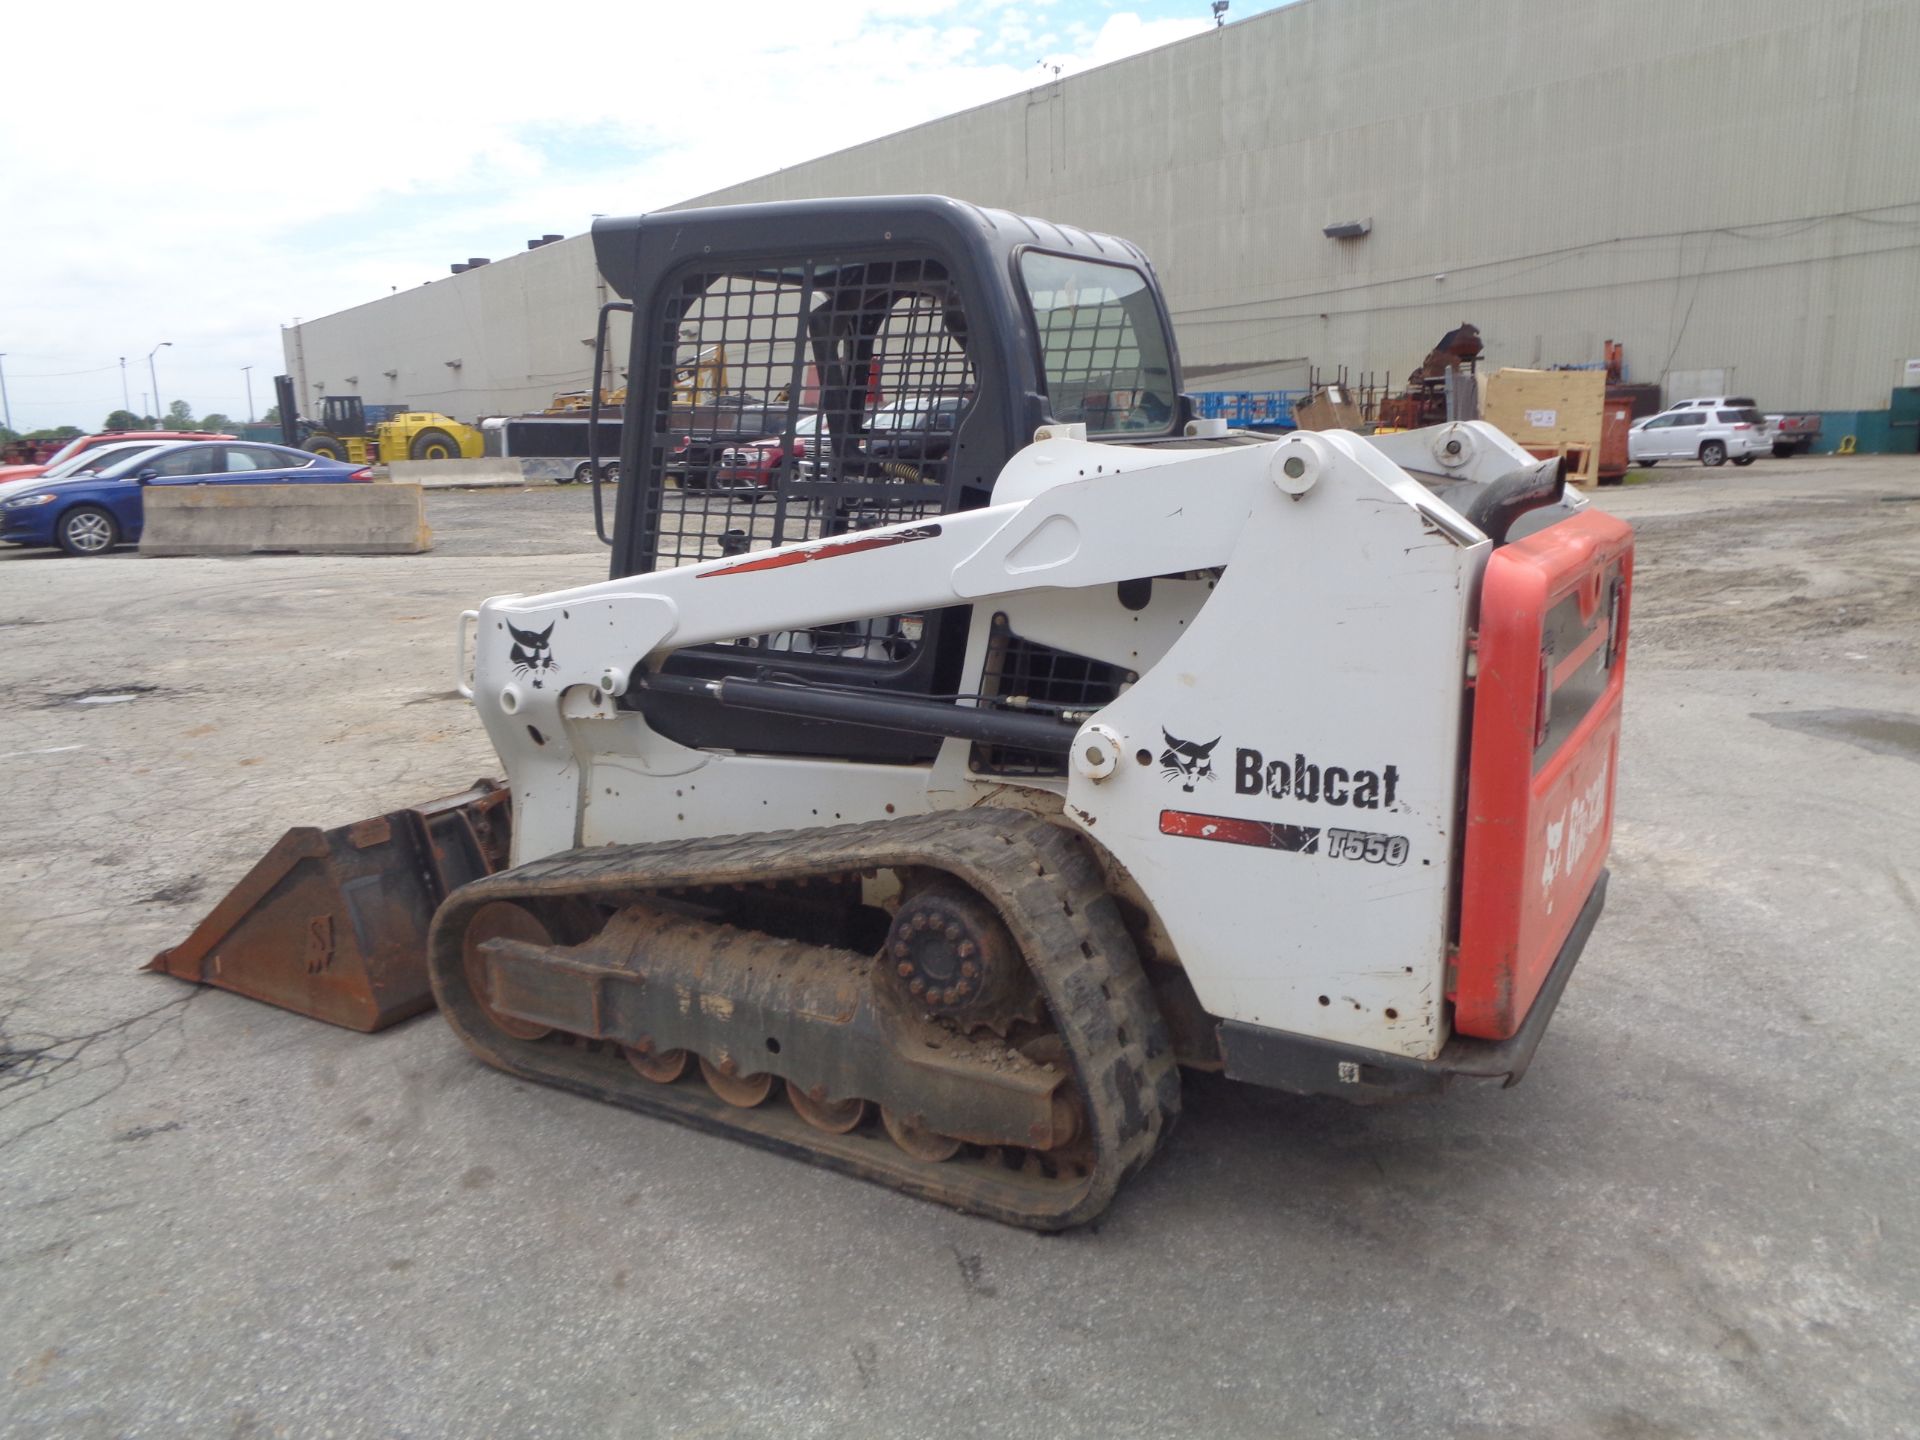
<point>663,1067</point>
<point>921,1143</point>
<point>744,1091</point>
<point>835,1117</point>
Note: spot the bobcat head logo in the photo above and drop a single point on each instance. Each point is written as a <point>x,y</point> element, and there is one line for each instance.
<point>1556,835</point>
<point>1185,761</point>
<point>530,655</point>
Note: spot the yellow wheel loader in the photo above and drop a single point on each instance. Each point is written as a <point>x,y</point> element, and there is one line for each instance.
<point>345,433</point>
<point>923,815</point>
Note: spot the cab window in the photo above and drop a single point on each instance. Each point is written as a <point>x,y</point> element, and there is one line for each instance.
<point>1103,345</point>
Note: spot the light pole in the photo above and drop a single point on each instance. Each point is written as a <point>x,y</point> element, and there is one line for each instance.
<point>247,370</point>
<point>154,378</point>
<point>6,405</point>
<point>126,400</point>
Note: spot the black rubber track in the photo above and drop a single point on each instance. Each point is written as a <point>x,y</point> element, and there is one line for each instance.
<point>1046,887</point>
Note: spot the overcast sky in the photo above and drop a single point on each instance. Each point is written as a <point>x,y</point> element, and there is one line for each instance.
<point>241,167</point>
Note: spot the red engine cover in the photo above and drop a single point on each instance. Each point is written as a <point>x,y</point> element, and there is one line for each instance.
<point>1552,653</point>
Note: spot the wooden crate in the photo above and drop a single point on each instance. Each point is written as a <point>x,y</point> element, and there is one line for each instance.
<point>1583,461</point>
<point>1552,412</point>
<point>1330,408</point>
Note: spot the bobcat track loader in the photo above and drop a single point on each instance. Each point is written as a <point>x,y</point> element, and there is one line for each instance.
<point>922,813</point>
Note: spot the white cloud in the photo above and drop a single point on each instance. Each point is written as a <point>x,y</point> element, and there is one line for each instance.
<point>251,164</point>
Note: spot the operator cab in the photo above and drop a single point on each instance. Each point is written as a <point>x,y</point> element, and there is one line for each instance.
<point>891,354</point>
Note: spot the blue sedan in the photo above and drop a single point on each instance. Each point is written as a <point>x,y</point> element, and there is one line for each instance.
<point>90,514</point>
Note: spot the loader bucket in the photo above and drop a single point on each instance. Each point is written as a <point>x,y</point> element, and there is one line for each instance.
<point>333,923</point>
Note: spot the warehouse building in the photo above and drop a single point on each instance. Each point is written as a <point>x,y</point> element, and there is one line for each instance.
<point>1727,189</point>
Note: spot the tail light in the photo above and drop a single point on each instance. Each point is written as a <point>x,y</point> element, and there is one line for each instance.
<point>363,473</point>
<point>799,449</point>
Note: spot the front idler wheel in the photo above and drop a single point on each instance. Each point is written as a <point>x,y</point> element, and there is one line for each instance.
<point>500,920</point>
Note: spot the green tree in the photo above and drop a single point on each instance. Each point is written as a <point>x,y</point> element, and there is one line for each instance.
<point>122,420</point>
<point>59,432</point>
<point>216,422</point>
<point>272,417</point>
<point>180,416</point>
<point>7,437</point>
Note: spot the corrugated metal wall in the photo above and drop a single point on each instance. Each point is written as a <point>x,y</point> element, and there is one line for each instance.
<point>1719,185</point>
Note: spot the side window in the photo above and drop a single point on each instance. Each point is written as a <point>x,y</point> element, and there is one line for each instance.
<point>1103,345</point>
<point>193,460</point>
<point>1692,417</point>
<point>254,457</point>
<point>1659,422</point>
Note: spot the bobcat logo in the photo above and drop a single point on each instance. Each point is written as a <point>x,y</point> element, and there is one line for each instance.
<point>530,655</point>
<point>1556,834</point>
<point>1187,762</point>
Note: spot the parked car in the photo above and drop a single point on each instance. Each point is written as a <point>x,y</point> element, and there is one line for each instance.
<point>759,462</point>
<point>1793,434</point>
<point>86,462</point>
<point>1710,431</point>
<point>80,444</point>
<point>89,514</point>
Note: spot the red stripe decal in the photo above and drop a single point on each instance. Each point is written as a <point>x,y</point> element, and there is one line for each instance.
<point>1268,834</point>
<point>833,550</point>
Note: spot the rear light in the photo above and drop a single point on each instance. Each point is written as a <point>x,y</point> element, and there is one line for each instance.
<point>799,449</point>
<point>363,473</point>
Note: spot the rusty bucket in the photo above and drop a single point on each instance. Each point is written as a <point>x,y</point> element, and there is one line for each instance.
<point>333,923</point>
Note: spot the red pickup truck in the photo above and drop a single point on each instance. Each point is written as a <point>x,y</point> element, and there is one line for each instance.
<point>82,443</point>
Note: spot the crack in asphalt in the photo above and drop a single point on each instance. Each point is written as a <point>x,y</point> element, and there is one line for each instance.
<point>29,1070</point>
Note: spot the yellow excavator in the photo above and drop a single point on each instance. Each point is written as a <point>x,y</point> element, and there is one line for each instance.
<point>698,382</point>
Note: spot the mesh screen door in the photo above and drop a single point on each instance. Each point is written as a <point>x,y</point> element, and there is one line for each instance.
<point>800,402</point>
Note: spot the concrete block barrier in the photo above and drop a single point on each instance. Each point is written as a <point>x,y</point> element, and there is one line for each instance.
<point>458,474</point>
<point>346,519</point>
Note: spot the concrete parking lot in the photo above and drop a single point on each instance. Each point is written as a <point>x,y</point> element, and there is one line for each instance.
<point>1699,1216</point>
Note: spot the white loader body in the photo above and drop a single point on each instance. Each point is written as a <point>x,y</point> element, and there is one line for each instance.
<point>1282,783</point>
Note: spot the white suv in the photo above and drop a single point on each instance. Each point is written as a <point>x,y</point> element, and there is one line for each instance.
<point>1713,431</point>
